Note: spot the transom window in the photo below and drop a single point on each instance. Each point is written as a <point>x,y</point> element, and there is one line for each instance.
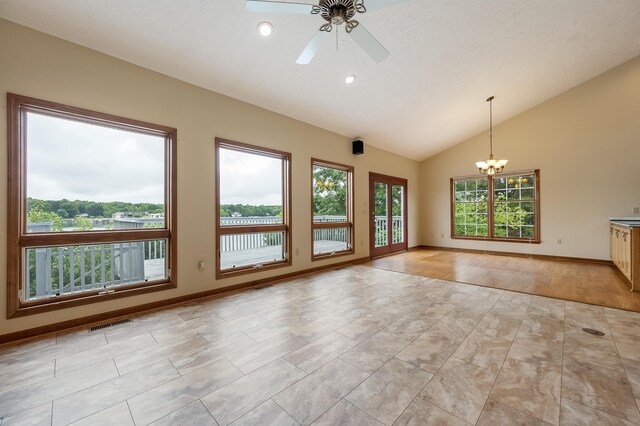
<point>332,223</point>
<point>252,205</point>
<point>504,207</point>
<point>91,206</point>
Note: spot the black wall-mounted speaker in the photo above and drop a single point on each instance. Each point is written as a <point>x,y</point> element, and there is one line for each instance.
<point>358,147</point>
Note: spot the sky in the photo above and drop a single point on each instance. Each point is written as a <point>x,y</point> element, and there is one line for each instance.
<point>249,179</point>
<point>80,161</point>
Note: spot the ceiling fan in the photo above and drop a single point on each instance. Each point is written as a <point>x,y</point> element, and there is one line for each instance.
<point>335,12</point>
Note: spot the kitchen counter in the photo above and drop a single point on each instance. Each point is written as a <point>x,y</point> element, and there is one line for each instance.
<point>627,222</point>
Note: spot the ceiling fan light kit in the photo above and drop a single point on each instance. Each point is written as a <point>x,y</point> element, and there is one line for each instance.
<point>335,13</point>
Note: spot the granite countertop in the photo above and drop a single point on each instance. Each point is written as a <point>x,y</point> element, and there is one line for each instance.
<point>629,222</point>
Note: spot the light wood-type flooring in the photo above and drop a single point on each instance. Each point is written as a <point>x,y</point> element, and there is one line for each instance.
<point>597,284</point>
<point>351,346</point>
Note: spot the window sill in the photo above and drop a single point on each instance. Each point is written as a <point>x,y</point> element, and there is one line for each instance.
<point>227,273</point>
<point>63,302</point>
<point>323,256</point>
<point>498,240</point>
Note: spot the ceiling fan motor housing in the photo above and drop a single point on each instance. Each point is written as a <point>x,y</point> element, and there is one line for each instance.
<point>337,11</point>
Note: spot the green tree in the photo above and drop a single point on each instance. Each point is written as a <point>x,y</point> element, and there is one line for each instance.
<point>70,207</point>
<point>37,214</point>
<point>330,192</point>
<point>95,210</point>
<point>83,224</point>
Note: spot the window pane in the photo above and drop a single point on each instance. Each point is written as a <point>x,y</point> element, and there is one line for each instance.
<point>513,194</point>
<point>513,231</point>
<point>514,207</point>
<point>397,205</point>
<point>330,191</point>
<point>529,219</point>
<point>380,208</point>
<point>528,231</point>
<point>250,188</point>
<point>526,194</point>
<point>527,207</point>
<point>500,231</point>
<point>258,248</point>
<point>55,271</point>
<point>470,208</point>
<point>82,176</point>
<point>331,240</point>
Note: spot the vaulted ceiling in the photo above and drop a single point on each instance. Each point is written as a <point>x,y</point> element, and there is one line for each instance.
<point>447,57</point>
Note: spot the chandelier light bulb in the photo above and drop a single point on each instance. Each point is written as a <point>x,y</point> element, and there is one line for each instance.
<point>350,79</point>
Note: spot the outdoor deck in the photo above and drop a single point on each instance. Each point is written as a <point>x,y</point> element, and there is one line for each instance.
<point>238,258</point>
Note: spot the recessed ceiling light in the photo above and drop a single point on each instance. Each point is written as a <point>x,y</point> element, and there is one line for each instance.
<point>265,29</point>
<point>350,79</point>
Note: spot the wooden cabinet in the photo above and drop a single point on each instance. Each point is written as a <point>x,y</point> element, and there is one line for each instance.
<point>625,251</point>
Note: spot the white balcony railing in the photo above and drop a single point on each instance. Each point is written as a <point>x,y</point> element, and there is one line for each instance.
<point>54,271</point>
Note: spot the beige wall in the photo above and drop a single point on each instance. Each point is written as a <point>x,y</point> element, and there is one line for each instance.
<point>38,65</point>
<point>586,143</point>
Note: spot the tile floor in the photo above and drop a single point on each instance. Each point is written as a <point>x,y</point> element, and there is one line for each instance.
<point>354,346</point>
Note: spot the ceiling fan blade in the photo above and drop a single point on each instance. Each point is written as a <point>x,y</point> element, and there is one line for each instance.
<point>312,48</point>
<point>264,6</point>
<point>369,44</point>
<point>372,5</point>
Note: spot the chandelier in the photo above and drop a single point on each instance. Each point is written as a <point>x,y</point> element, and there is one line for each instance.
<point>491,166</point>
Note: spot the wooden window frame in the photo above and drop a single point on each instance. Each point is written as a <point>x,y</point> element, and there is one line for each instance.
<point>18,240</point>
<point>285,226</point>
<point>349,223</point>
<point>390,248</point>
<point>490,208</point>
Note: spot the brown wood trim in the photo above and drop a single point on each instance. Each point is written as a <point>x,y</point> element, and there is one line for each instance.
<point>93,237</point>
<point>516,254</point>
<point>171,203</point>
<point>14,206</point>
<point>331,225</point>
<point>253,268</point>
<point>87,115</point>
<point>350,221</point>
<point>325,256</point>
<point>231,230</point>
<point>251,149</point>
<point>252,229</point>
<point>134,310</point>
<point>496,239</point>
<point>390,248</point>
<point>70,301</point>
<point>331,165</point>
<point>18,239</point>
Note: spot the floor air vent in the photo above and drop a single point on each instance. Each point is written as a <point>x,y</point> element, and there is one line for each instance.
<point>110,324</point>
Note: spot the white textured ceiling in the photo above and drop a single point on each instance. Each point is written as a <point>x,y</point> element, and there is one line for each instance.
<point>447,57</point>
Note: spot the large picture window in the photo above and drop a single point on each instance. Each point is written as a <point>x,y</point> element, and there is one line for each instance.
<point>332,224</point>
<point>252,205</point>
<point>91,206</point>
<point>503,208</point>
